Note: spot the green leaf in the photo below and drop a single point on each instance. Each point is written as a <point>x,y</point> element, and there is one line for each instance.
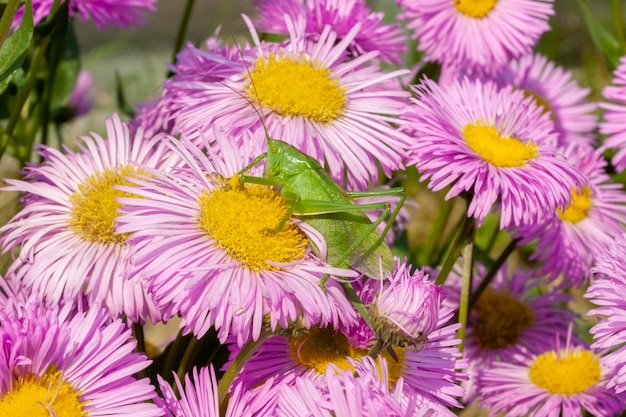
<point>14,49</point>
<point>602,39</point>
<point>67,71</point>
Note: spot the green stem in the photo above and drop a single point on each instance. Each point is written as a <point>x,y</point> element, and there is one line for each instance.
<point>466,284</point>
<point>467,225</point>
<point>22,96</point>
<point>182,31</point>
<point>138,334</point>
<point>436,230</point>
<point>237,365</point>
<point>492,272</point>
<point>7,19</point>
<point>179,345</point>
<point>190,354</point>
<point>619,29</point>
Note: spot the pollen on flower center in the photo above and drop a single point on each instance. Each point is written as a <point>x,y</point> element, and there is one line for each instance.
<point>578,208</point>
<point>320,346</point>
<point>499,151</point>
<point>295,87</point>
<point>94,208</point>
<point>242,218</point>
<point>568,372</point>
<point>501,319</point>
<point>42,397</point>
<point>475,8</point>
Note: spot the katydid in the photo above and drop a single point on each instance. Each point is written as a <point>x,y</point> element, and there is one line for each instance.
<point>352,239</point>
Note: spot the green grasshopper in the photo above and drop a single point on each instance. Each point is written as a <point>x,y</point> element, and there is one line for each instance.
<point>352,239</point>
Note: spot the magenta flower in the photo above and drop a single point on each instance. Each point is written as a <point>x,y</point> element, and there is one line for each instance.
<point>607,293</point>
<point>571,240</point>
<point>430,374</point>
<point>562,381</point>
<point>66,228</point>
<point>203,248</point>
<point>613,124</point>
<point>198,397</point>
<point>70,365</point>
<point>510,319</point>
<point>492,145</point>
<point>374,35</point>
<point>560,95</point>
<point>340,112</point>
<point>482,35</point>
<point>342,394</point>
<point>120,13</point>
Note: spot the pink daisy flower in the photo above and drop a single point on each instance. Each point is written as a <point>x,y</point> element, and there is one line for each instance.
<point>482,35</point>
<point>492,144</point>
<point>203,248</point>
<point>430,374</point>
<point>343,394</point>
<point>571,240</point>
<point>120,13</point>
<point>560,95</point>
<point>80,365</point>
<point>612,123</point>
<point>198,397</point>
<point>562,381</point>
<point>341,15</point>
<point>66,229</point>
<point>607,292</point>
<point>511,318</point>
<point>340,112</point>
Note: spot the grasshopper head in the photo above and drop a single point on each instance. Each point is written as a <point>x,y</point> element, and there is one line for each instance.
<point>285,161</point>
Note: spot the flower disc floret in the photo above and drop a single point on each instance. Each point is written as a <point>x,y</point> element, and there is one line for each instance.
<point>568,372</point>
<point>40,396</point>
<point>501,319</point>
<point>297,87</point>
<point>475,8</point>
<point>579,207</point>
<point>94,205</point>
<point>243,220</point>
<point>496,149</point>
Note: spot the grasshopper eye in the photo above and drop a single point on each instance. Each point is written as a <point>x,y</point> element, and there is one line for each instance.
<point>274,149</point>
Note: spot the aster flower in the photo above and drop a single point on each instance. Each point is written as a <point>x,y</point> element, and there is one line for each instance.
<point>70,365</point>
<point>493,144</point>
<point>612,123</point>
<point>560,95</point>
<point>430,374</point>
<point>571,240</point>
<point>201,244</point>
<point>338,112</point>
<point>66,227</point>
<point>341,15</point>
<point>561,381</point>
<point>121,13</point>
<point>482,35</point>
<point>607,293</point>
<point>343,394</point>
<point>199,397</point>
<point>406,309</point>
<point>516,316</point>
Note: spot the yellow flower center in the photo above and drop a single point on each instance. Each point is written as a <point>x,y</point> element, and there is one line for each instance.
<point>318,347</point>
<point>569,372</point>
<point>578,208</point>
<point>499,151</point>
<point>94,208</point>
<point>48,395</point>
<point>475,8</point>
<point>296,87</point>
<point>242,218</point>
<point>501,319</point>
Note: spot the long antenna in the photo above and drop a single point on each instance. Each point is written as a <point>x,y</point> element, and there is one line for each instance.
<point>256,93</point>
